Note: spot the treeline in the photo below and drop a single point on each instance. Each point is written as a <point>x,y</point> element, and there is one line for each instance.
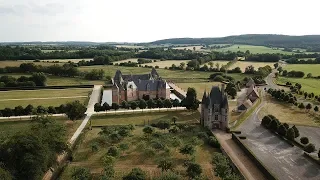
<point>293,73</point>
<point>297,61</point>
<point>36,79</point>
<point>263,57</point>
<point>29,153</point>
<point>25,53</point>
<point>74,110</point>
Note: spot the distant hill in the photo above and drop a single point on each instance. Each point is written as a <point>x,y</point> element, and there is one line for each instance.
<point>308,41</point>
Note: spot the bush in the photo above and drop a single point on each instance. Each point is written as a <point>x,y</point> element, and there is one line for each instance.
<point>290,134</point>
<point>266,120</point>
<point>282,130</point>
<point>304,140</point>
<point>310,148</point>
<point>168,176</point>
<point>135,174</point>
<point>113,151</point>
<point>157,145</point>
<point>213,142</point>
<point>202,135</point>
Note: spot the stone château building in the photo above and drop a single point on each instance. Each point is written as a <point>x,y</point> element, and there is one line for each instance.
<point>215,109</point>
<point>139,86</point>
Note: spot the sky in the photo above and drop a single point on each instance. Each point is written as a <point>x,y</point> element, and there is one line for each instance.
<point>150,20</point>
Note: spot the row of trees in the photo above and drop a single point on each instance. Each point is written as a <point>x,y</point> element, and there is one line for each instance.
<point>36,79</point>
<point>262,71</point>
<point>141,104</point>
<point>295,60</point>
<point>74,110</point>
<point>272,123</point>
<point>29,153</point>
<point>293,73</point>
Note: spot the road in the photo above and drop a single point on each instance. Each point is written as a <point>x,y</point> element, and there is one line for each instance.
<point>283,160</point>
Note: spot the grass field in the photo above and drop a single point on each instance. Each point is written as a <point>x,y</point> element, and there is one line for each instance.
<point>198,48</point>
<point>308,84</point>
<point>252,49</point>
<point>12,127</point>
<point>199,87</point>
<point>166,74</point>
<point>136,155</point>
<point>11,99</point>
<point>289,113</point>
<point>161,64</point>
<point>17,63</point>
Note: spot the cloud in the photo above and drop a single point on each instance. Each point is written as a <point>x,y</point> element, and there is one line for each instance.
<point>6,10</point>
<point>48,9</point>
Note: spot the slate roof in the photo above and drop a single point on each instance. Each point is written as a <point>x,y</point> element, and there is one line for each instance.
<point>216,96</point>
<point>250,82</point>
<point>151,85</point>
<point>251,90</point>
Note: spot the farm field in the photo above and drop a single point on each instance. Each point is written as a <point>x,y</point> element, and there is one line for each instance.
<point>9,128</point>
<point>140,147</point>
<point>289,113</point>
<point>67,60</point>
<point>244,64</point>
<point>252,49</point>
<point>308,85</point>
<point>19,62</point>
<point>167,63</point>
<point>198,48</point>
<point>11,99</point>
<point>306,68</point>
<point>60,81</point>
<point>166,74</point>
<point>199,87</point>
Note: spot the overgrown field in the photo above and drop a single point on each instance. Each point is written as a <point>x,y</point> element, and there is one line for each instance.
<point>288,113</point>
<point>44,97</point>
<point>143,151</point>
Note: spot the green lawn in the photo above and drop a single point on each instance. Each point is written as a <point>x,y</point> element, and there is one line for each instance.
<point>12,99</point>
<point>8,128</point>
<point>142,118</point>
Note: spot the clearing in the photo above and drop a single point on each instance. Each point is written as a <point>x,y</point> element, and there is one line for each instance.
<point>142,150</point>
<point>44,97</point>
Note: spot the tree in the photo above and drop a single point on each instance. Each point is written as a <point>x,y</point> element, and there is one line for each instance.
<point>125,105</point>
<point>309,148</point>
<point>39,79</point>
<point>319,153</point>
<point>175,103</point>
<point>290,134</point>
<point>222,165</point>
<point>194,170</point>
<point>28,110</point>
<point>282,130</point>
<point>106,106</point>
<point>174,119</point>
<point>108,160</point>
<point>296,131</point>
<point>133,105</point>
<point>113,151</point>
<point>18,111</point>
<point>308,107</point>
<point>163,124</point>
<point>81,173</point>
<point>167,103</point>
<point>304,140</point>
<point>274,124</point>
<point>191,102</point>
<point>165,165</point>
<point>136,174</point>
<point>150,103</point>
<point>41,110</point>
<point>148,130</point>
<point>233,92</point>
<point>142,104</point>
<point>97,107</point>
<point>301,106</point>
<point>266,120</point>
<point>187,150</point>
<point>316,109</point>
<point>75,110</point>
<point>115,106</point>
<point>159,103</point>
<point>305,95</point>
<point>182,65</point>
<point>5,175</point>
<point>309,75</point>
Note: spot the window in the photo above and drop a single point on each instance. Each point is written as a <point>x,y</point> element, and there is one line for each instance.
<point>216,117</point>
<point>216,108</point>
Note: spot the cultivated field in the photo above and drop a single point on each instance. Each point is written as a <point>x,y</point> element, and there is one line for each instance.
<point>308,85</point>
<point>167,63</point>
<point>244,64</point>
<point>199,87</point>
<point>189,47</point>
<point>306,68</point>
<point>140,146</point>
<point>289,113</point>
<point>45,97</point>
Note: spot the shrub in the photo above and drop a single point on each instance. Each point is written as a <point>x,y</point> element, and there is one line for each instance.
<point>123,146</point>
<point>168,176</point>
<point>148,152</point>
<point>304,140</point>
<point>282,130</point>
<point>296,131</point>
<point>290,134</point>
<point>266,121</point>
<point>213,142</point>
<point>202,135</point>
<point>157,145</point>
<point>194,170</point>
<point>135,174</point>
<point>309,148</point>
<point>274,124</point>
<point>113,151</point>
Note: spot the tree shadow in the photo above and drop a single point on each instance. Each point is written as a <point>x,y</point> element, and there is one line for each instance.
<point>313,170</point>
